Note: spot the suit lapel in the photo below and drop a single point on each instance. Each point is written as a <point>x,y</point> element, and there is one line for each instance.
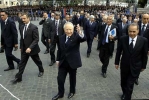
<point>127,43</point>
<point>137,44</point>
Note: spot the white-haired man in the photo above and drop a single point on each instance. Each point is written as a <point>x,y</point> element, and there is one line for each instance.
<point>90,31</point>
<point>68,58</point>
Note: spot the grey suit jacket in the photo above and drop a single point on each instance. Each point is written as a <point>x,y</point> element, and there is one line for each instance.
<point>46,29</point>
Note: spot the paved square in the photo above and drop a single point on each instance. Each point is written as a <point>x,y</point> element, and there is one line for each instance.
<point>90,84</point>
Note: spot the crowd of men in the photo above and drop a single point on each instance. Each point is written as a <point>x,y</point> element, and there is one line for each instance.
<point>130,31</point>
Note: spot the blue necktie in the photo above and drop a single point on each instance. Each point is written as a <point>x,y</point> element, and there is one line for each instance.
<point>105,35</point>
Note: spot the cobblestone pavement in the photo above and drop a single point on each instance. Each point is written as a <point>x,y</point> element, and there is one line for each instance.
<point>90,84</point>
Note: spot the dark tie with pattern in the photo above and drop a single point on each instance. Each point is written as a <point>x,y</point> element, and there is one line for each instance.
<point>131,46</point>
<point>105,35</point>
<point>142,30</point>
<point>56,25</point>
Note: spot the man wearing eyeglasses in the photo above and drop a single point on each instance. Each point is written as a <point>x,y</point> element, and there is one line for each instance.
<point>9,39</point>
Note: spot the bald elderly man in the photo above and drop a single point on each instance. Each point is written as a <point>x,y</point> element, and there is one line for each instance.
<point>68,58</point>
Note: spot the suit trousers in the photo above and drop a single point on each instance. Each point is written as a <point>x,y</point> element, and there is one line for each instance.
<point>62,73</point>
<point>10,57</point>
<point>53,47</point>
<point>24,59</point>
<point>127,82</point>
<point>104,56</point>
<point>89,44</point>
<point>44,40</point>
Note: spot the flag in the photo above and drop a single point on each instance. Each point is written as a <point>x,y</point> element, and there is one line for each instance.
<point>113,32</point>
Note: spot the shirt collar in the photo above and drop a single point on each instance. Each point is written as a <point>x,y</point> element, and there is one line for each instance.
<point>6,20</point>
<point>109,26</point>
<point>144,24</point>
<point>27,24</point>
<point>130,39</point>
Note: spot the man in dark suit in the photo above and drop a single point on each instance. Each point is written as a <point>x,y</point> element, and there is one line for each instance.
<point>122,28</point>
<point>57,31</point>
<point>46,31</point>
<point>100,24</point>
<point>134,50</point>
<point>20,21</point>
<point>29,47</point>
<point>106,44</point>
<point>68,58</point>
<point>90,31</point>
<point>129,20</point>
<point>144,32</point>
<point>9,39</point>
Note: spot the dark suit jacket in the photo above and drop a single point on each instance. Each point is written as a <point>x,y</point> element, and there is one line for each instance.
<point>146,33</point>
<point>111,43</point>
<point>136,60</point>
<point>20,22</point>
<point>9,34</point>
<point>31,39</point>
<point>71,53</point>
<point>60,29</point>
<point>46,29</point>
<point>122,31</point>
<point>90,30</point>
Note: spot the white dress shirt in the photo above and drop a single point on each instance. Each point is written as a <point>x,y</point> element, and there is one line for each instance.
<point>107,37</point>
<point>144,26</point>
<point>134,41</point>
<point>26,28</point>
<point>6,20</point>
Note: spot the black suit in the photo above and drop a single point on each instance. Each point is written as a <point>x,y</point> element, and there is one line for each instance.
<point>107,49</point>
<point>20,23</point>
<point>9,38</point>
<point>131,62</point>
<point>46,31</point>
<point>90,31</point>
<point>69,60</point>
<point>146,32</point>
<point>54,37</point>
<point>30,40</point>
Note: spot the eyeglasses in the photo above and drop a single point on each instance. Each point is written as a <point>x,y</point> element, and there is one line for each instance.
<point>146,18</point>
<point>2,15</point>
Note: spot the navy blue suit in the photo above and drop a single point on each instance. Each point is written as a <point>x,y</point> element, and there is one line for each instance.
<point>9,37</point>
<point>69,60</point>
<point>90,31</point>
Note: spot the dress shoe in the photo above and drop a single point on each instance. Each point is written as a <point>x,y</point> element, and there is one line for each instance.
<point>1,50</point>
<point>52,62</point>
<point>88,55</point>
<point>137,82</point>
<point>15,49</point>
<point>40,74</point>
<point>8,69</point>
<point>16,80</point>
<point>70,95</point>
<point>123,97</point>
<point>57,97</point>
<point>46,52</point>
<point>104,75</point>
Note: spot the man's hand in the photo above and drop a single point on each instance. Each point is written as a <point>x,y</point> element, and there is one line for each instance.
<point>57,63</point>
<point>28,50</point>
<point>78,29</point>
<point>16,45</point>
<point>142,70</point>
<point>111,37</point>
<point>49,40</point>
<point>117,66</point>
